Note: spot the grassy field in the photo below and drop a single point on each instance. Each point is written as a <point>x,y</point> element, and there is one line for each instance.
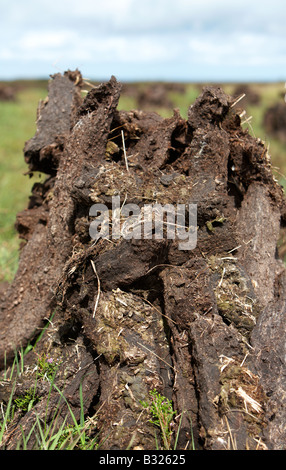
<point>18,124</point>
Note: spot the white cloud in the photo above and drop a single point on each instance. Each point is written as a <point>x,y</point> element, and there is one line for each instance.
<point>48,44</point>
<point>41,40</point>
<point>133,49</point>
<point>128,34</point>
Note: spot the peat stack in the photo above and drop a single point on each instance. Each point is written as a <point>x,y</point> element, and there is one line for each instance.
<point>274,121</point>
<point>202,326</point>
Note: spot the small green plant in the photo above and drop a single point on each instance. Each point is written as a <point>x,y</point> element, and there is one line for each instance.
<point>72,436</point>
<point>6,417</point>
<point>26,402</point>
<point>46,367</point>
<point>77,438</point>
<point>162,412</point>
<point>48,431</point>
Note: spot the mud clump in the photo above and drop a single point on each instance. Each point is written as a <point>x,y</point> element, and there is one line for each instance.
<point>153,96</point>
<point>7,93</point>
<point>275,121</point>
<point>251,97</point>
<point>127,316</point>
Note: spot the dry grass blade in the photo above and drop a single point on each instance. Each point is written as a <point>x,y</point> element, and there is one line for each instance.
<point>249,400</point>
<point>124,151</point>
<point>156,355</point>
<point>98,290</point>
<point>232,439</point>
<point>238,100</point>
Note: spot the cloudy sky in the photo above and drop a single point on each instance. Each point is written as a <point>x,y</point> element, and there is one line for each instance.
<point>185,40</point>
